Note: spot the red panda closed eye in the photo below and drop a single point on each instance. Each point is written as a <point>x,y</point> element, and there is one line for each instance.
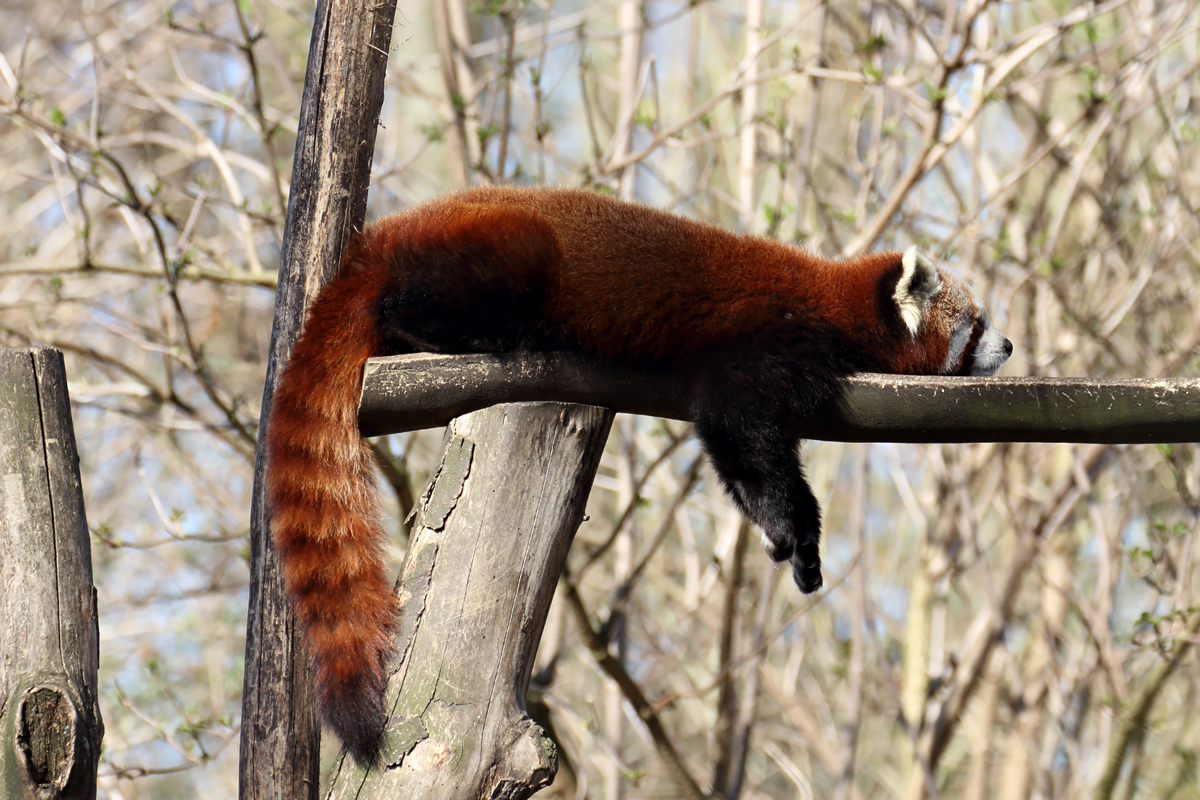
<point>763,332</point>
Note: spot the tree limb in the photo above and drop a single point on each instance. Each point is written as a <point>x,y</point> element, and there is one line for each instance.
<point>403,393</point>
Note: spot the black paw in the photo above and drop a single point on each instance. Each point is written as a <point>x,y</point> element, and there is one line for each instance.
<point>779,542</point>
<point>778,530</point>
<point>806,568</point>
<point>806,557</point>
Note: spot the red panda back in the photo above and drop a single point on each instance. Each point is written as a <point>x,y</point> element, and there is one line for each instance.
<point>636,282</point>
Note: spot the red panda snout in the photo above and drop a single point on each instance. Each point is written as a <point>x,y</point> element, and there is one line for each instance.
<point>974,346</point>
<point>991,352</point>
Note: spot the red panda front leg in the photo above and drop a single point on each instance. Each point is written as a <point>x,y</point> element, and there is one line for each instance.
<point>761,470</point>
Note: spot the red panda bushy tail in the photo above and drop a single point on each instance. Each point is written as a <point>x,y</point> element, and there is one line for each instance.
<point>320,474</point>
<point>324,510</point>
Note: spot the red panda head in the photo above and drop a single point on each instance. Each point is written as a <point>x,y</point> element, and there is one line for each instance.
<point>949,328</point>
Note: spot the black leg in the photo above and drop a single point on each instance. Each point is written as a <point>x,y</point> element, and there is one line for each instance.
<point>741,396</point>
<point>806,560</point>
<point>761,469</point>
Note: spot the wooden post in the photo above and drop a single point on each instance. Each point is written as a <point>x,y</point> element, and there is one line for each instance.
<point>343,93</point>
<point>50,726</point>
<point>492,532</point>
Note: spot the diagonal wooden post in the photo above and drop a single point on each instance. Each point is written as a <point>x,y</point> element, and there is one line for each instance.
<point>339,111</point>
<point>492,532</point>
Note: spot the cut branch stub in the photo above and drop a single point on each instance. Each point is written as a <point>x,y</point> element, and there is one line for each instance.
<point>493,529</point>
<point>46,729</point>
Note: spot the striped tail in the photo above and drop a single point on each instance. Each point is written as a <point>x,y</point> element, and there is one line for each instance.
<point>324,511</point>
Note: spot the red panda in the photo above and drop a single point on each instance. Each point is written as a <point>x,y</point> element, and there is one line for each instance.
<point>762,331</point>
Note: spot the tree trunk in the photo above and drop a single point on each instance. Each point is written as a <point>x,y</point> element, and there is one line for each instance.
<point>492,532</point>
<point>343,93</point>
<point>50,728</point>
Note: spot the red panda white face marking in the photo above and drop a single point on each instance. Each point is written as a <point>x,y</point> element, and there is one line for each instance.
<point>933,303</point>
<point>992,350</point>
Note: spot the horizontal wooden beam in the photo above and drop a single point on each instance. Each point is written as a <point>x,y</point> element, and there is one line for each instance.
<point>404,393</point>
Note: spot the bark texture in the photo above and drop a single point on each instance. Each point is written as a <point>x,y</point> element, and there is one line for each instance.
<point>339,114</point>
<point>50,727</point>
<point>493,529</point>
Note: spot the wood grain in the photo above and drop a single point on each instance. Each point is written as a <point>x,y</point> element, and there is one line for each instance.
<point>50,727</point>
<point>339,112</point>
<point>492,532</point>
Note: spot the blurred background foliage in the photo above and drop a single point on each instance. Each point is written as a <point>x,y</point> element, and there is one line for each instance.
<point>1012,620</point>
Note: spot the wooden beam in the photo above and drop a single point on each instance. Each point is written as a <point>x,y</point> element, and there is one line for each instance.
<point>403,393</point>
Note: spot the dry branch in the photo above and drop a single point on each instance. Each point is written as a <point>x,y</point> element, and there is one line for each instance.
<point>1131,723</point>
<point>403,393</point>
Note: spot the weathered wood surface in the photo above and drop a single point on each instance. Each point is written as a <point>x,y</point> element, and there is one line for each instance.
<point>425,390</point>
<point>50,728</point>
<point>343,93</point>
<point>492,531</point>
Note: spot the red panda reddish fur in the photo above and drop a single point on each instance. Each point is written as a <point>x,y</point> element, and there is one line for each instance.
<point>764,331</point>
<point>324,513</point>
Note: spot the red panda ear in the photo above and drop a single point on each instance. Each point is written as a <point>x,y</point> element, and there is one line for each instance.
<point>919,283</point>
